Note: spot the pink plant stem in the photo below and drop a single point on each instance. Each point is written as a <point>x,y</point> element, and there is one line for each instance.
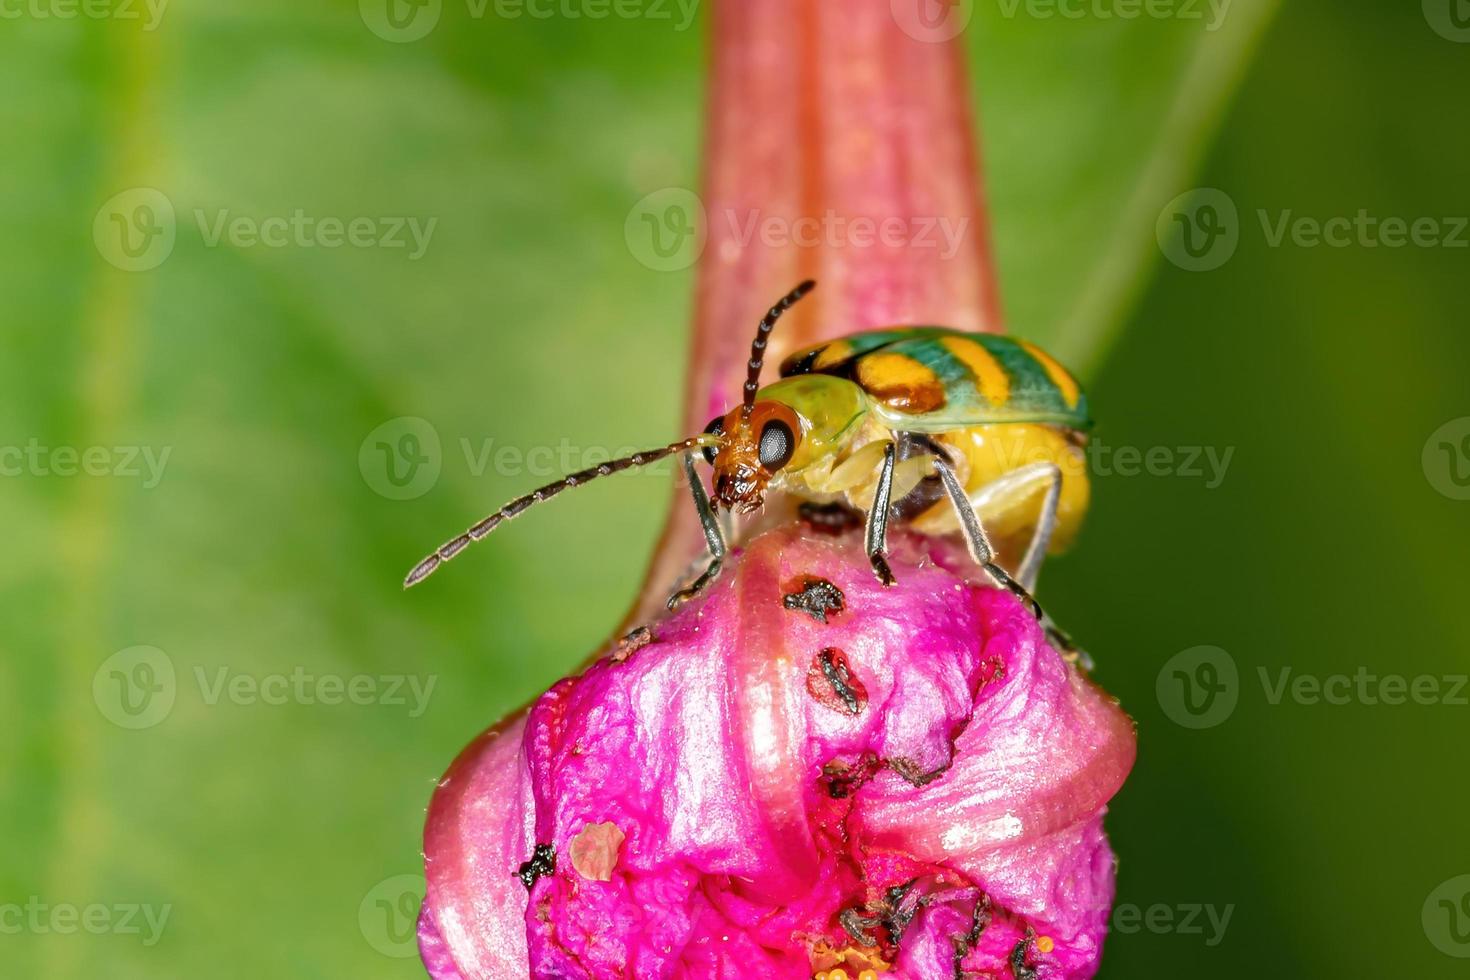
<point>825,120</point>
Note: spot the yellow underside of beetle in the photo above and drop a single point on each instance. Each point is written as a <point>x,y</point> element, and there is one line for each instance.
<point>996,464</point>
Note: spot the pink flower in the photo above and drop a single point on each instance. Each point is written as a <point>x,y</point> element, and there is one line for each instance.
<point>698,805</point>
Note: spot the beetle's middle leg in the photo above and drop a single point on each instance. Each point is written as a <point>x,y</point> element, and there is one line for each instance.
<point>714,538</point>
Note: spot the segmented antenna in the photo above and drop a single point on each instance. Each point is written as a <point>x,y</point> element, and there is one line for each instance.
<point>453,547</point>
<point>758,346</point>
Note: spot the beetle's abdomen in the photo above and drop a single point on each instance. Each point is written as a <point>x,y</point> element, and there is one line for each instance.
<point>985,453</point>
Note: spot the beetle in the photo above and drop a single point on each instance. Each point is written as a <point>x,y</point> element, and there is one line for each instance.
<point>931,425</point>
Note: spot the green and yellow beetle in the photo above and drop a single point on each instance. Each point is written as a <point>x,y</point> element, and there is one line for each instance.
<point>890,423</point>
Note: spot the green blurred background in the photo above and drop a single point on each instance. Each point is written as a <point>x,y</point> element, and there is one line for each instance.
<point>282,839</point>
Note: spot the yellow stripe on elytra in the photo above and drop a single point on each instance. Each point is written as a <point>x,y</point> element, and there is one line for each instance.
<point>992,379</point>
<point>900,382</point>
<point>1064,381</point>
<point>834,353</point>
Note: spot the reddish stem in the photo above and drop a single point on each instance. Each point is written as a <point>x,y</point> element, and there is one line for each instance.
<point>839,148</point>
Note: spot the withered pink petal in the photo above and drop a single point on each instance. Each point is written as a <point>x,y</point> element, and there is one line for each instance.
<point>954,817</point>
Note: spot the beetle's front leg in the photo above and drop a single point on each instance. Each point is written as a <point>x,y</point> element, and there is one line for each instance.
<point>714,538</point>
<point>876,538</point>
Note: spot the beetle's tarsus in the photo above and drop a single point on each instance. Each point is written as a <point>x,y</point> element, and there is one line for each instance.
<point>698,585</point>
<point>881,569</point>
<point>1003,578</point>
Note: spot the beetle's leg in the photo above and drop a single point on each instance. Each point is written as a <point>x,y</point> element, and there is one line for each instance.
<point>714,538</point>
<point>876,538</point>
<point>928,491</point>
<point>976,538</point>
<point>1046,523</point>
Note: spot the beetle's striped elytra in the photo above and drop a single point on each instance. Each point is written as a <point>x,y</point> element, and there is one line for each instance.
<point>950,431</point>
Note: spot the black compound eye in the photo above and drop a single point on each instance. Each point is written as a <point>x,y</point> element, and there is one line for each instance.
<point>716,427</point>
<point>777,445</point>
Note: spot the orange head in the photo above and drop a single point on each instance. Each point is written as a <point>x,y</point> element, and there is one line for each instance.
<point>753,447</point>
<point>758,438</point>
